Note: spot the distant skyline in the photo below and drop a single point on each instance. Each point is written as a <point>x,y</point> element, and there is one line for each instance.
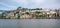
<point>13,4</point>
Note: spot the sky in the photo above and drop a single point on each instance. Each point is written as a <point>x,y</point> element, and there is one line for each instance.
<point>13,4</point>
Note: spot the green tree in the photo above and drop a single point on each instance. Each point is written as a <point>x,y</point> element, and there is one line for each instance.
<point>27,13</point>
<point>24,9</point>
<point>38,14</point>
<point>3,15</point>
<point>37,8</point>
<point>40,8</point>
<point>19,8</point>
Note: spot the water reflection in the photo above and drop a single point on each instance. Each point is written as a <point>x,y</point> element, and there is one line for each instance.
<point>29,23</point>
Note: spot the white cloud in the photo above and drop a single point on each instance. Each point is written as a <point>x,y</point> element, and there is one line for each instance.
<point>9,7</point>
<point>35,1</point>
<point>31,4</point>
<point>38,3</point>
<point>4,4</point>
<point>21,1</point>
<point>26,2</point>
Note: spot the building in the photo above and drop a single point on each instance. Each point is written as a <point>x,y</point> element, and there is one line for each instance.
<point>11,14</point>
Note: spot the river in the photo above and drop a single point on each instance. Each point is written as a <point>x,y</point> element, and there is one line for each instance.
<point>29,23</point>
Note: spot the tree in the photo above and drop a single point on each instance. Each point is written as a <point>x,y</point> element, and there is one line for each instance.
<point>38,14</point>
<point>0,15</point>
<point>18,8</point>
<point>27,13</point>
<point>37,8</point>
<point>24,9</point>
<point>3,15</point>
<point>40,8</point>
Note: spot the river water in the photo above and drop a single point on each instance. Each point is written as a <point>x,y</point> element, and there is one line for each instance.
<point>29,23</point>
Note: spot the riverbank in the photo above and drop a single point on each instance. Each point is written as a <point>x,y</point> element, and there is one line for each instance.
<point>33,18</point>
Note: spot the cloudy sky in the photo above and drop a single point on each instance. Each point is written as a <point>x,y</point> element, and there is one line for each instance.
<point>13,4</point>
